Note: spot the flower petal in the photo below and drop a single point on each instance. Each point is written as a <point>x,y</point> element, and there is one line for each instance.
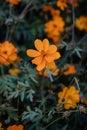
<point>37,60</point>
<point>51,65</point>
<point>33,53</point>
<point>20,127</point>
<point>52,49</point>
<point>41,65</point>
<point>45,44</point>
<point>62,94</point>
<point>52,57</point>
<point>68,104</point>
<point>56,55</point>
<point>39,45</point>
<point>76,98</point>
<point>49,58</point>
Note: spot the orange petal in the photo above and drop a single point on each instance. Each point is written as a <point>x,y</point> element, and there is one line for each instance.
<point>60,101</point>
<point>45,44</point>
<point>20,127</point>
<point>49,58</point>
<point>67,106</point>
<point>76,98</point>
<point>63,93</point>
<point>9,128</point>
<point>37,60</point>
<point>41,65</point>
<point>51,65</point>
<point>39,45</point>
<point>13,127</point>
<point>56,55</point>
<point>52,49</point>
<point>12,57</point>
<point>0,124</point>
<point>32,53</point>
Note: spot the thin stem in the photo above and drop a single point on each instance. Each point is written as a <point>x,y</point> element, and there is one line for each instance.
<point>72,43</point>
<point>22,15</point>
<point>77,83</point>
<point>8,20</point>
<point>42,92</point>
<point>57,78</point>
<point>7,34</point>
<point>42,86</point>
<point>18,105</point>
<point>53,122</point>
<point>73,19</point>
<point>2,69</point>
<point>10,10</point>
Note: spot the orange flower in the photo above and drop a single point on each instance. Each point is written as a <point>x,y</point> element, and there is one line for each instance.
<point>44,54</point>
<point>14,2</point>
<point>15,127</point>
<point>54,12</point>
<point>69,69</point>
<point>1,126</point>
<point>14,71</point>
<point>8,53</point>
<point>54,28</point>
<point>81,23</point>
<point>61,4</point>
<point>69,97</point>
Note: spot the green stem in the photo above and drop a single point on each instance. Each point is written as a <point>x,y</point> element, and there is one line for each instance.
<point>24,12</point>
<point>73,26</point>
<point>42,92</point>
<point>72,43</point>
<point>10,10</point>
<point>18,105</point>
<point>57,78</point>
<point>2,69</point>
<point>53,122</point>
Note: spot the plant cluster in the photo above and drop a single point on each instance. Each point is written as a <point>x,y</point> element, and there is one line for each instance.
<point>43,68</point>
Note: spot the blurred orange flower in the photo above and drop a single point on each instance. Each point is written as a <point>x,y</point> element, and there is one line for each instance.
<point>15,127</point>
<point>1,126</point>
<point>14,2</point>
<point>69,69</point>
<point>54,28</point>
<point>69,97</point>
<point>81,23</point>
<point>14,71</point>
<point>44,54</point>
<point>62,4</point>
<point>8,53</point>
<point>54,12</point>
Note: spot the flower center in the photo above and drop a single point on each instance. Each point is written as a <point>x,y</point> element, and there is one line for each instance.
<point>43,53</point>
<point>63,99</point>
<point>5,52</point>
